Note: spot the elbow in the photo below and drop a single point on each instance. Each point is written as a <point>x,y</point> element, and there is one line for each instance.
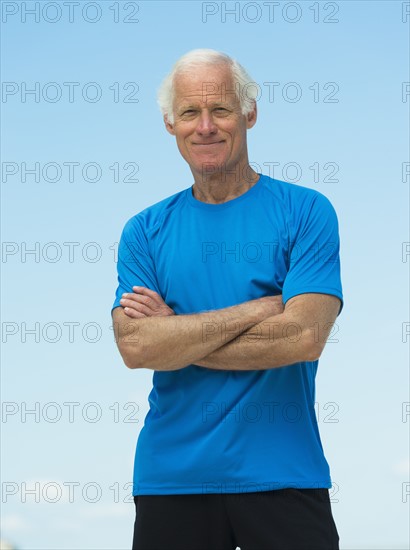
<point>131,356</point>
<point>138,357</point>
<point>311,351</point>
<point>130,363</point>
<point>131,344</point>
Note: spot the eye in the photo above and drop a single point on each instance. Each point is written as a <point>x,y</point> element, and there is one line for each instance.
<point>221,111</point>
<point>188,112</point>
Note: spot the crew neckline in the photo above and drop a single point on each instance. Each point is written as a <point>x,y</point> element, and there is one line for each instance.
<point>221,206</point>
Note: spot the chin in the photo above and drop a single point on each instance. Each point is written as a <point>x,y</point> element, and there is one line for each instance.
<point>200,160</point>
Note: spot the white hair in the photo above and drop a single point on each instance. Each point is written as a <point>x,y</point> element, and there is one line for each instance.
<point>199,58</point>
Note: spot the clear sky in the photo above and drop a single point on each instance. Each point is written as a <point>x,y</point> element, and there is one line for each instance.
<point>87,150</point>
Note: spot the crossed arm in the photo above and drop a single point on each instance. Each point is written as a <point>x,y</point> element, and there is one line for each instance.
<point>256,335</point>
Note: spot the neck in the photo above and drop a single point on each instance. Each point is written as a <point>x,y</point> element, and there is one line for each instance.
<point>222,186</point>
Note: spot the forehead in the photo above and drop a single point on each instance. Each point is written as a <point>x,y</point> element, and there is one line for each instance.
<point>205,84</point>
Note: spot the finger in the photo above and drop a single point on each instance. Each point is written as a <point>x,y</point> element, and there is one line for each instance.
<point>136,298</point>
<point>137,306</point>
<point>131,312</point>
<point>148,292</point>
<point>144,300</point>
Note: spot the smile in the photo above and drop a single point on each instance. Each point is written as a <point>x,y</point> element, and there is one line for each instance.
<point>207,144</point>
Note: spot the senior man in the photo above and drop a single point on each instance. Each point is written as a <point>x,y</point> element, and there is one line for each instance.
<point>228,291</point>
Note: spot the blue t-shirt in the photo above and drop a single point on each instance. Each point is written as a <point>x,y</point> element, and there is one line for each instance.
<point>227,431</point>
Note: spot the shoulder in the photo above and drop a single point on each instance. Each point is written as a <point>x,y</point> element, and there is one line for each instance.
<point>292,192</point>
<point>297,200</point>
<point>147,219</point>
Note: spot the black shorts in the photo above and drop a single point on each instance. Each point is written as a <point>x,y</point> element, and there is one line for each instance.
<point>283,519</point>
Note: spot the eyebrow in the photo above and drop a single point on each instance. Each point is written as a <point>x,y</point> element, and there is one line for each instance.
<point>186,106</point>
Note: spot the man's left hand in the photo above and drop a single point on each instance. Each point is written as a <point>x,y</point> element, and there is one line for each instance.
<point>144,302</point>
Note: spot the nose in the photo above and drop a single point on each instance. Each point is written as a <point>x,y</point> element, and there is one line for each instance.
<point>206,125</point>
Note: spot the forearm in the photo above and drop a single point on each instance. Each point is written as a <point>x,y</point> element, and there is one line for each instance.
<point>173,342</point>
<point>297,334</point>
<point>274,342</point>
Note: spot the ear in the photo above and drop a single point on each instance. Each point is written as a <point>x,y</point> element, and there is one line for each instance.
<point>169,126</point>
<point>251,117</point>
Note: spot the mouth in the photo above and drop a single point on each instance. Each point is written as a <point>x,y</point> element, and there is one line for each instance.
<point>209,144</point>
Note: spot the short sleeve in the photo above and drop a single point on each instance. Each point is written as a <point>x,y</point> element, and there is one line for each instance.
<point>135,266</point>
<point>314,263</point>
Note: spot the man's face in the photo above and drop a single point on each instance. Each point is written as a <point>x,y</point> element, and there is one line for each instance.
<point>209,126</point>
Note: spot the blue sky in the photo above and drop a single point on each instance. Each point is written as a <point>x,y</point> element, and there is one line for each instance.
<point>346,136</point>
